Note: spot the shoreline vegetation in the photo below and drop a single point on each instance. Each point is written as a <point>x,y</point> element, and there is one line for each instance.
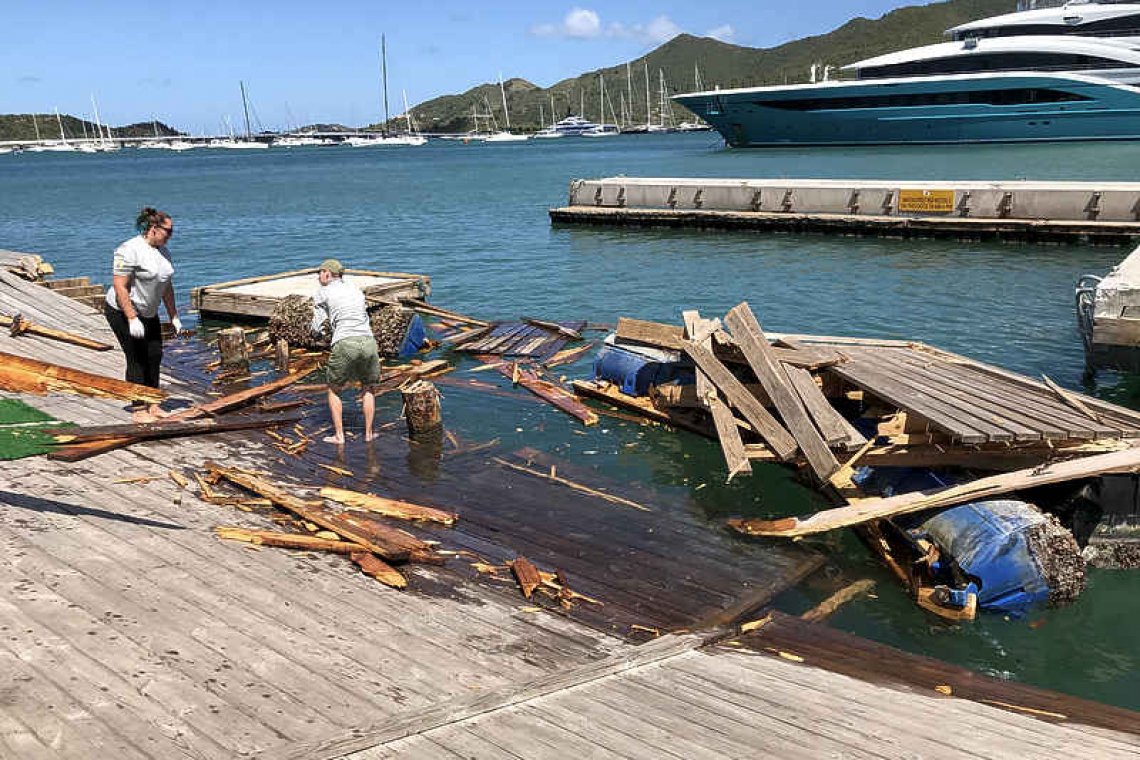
<point>676,65</point>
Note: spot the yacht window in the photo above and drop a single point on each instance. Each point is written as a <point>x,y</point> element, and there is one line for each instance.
<point>1006,97</point>
<point>984,62</point>
<point>1120,26</point>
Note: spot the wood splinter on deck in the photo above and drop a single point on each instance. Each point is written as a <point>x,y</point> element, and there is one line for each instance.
<point>526,574</point>
<point>388,507</point>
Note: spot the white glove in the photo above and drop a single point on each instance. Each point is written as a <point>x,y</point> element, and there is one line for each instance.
<point>177,324</point>
<point>137,329</point>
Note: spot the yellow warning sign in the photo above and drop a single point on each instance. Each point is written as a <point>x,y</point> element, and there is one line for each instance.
<point>926,201</point>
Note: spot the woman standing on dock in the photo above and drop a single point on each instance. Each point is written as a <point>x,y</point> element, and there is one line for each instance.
<point>142,278</point>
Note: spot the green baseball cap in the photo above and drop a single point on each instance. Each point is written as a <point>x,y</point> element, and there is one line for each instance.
<point>331,265</point>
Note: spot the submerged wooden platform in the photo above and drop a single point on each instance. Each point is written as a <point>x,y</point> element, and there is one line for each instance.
<point>130,630</point>
<point>257,297</point>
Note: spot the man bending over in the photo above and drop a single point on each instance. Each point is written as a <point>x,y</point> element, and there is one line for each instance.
<point>354,356</point>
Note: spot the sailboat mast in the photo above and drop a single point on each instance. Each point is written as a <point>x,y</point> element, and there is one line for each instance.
<point>59,121</point>
<point>503,92</point>
<point>601,99</point>
<point>628,95</point>
<point>648,116</point>
<point>245,109</point>
<point>407,113</point>
<point>384,76</point>
<point>98,124</point>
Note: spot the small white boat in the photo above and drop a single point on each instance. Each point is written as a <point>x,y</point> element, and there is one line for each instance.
<point>602,130</point>
<point>502,137</point>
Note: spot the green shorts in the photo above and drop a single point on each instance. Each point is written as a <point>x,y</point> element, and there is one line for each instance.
<point>352,359</point>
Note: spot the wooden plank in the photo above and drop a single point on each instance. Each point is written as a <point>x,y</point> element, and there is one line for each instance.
<point>345,527</point>
<point>437,311</point>
<point>765,425</point>
<point>650,333</point>
<point>728,434</point>
<point>81,451</point>
<point>153,430</point>
<point>676,417</point>
<point>829,422</point>
<point>18,325</point>
<point>24,375</point>
<point>553,394</point>
<point>388,507</point>
<point>866,510</point>
<point>750,337</point>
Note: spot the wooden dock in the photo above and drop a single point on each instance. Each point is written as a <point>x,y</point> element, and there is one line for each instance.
<point>1104,213</point>
<point>130,630</point>
<point>257,297</point>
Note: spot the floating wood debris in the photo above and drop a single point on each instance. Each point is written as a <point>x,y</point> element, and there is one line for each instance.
<point>554,478</point>
<point>550,392</point>
<point>155,430</point>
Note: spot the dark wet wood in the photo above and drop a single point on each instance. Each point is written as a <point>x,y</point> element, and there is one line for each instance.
<point>854,656</point>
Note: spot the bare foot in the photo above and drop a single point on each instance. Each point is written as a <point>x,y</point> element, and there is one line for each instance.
<point>369,436</point>
<point>143,417</point>
<point>157,412</point>
<point>333,439</point>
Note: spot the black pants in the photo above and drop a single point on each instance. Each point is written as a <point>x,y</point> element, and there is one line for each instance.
<point>144,355</point>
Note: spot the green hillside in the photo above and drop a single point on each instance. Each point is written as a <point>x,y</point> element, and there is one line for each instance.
<point>720,64</point>
<point>24,126</point>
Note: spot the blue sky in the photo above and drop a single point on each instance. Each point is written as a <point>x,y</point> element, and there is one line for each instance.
<point>304,62</point>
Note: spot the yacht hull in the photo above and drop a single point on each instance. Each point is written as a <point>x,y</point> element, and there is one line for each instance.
<point>953,109</point>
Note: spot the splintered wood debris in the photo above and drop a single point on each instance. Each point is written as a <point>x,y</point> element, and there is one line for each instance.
<point>373,546</point>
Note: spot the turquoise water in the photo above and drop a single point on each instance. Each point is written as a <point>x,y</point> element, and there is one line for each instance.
<point>474,218</point>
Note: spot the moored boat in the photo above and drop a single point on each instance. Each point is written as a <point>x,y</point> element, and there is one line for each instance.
<point>1045,74</point>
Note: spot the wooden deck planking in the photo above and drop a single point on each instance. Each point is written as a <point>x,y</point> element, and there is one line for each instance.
<point>1051,416</point>
<point>834,429</point>
<point>970,408</point>
<point>726,703</point>
<point>941,416</point>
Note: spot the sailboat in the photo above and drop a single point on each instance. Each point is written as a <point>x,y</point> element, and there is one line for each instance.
<point>602,129</point>
<point>386,140</point>
<point>506,135</point>
<point>551,132</point>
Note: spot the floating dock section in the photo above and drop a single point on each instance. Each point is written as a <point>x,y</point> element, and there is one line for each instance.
<point>1103,212</point>
<point>257,297</point>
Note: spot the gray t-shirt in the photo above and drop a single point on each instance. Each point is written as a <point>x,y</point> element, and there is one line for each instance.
<point>342,304</point>
<point>150,271</point>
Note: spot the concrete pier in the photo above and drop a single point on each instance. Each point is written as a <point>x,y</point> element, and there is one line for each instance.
<point>1105,212</point>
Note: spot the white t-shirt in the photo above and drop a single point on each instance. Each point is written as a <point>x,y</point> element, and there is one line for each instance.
<point>150,270</point>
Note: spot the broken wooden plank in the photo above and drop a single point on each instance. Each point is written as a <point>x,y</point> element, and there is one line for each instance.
<point>829,422</point>
<point>728,434</point>
<point>829,605</point>
<point>388,507</point>
<point>20,374</point>
<point>20,325</point>
<point>611,394</point>
<point>765,425</point>
<point>425,308</point>
<point>343,525</point>
<point>553,394</point>
<point>554,327</point>
<point>81,451</point>
<point>526,574</point>
<point>155,430</point>
<point>866,510</point>
<point>566,355</point>
<point>377,568</point>
<point>286,540</point>
<point>1071,400</point>
<point>750,337</point>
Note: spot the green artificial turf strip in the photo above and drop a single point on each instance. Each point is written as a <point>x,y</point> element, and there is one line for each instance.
<point>21,430</point>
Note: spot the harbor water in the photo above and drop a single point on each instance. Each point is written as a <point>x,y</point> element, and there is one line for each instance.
<point>474,218</point>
